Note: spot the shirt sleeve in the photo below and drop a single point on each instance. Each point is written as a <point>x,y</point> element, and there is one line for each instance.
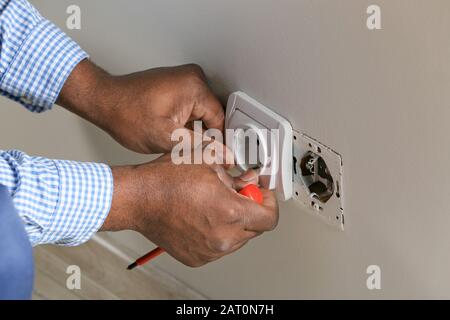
<point>60,202</point>
<point>36,57</point>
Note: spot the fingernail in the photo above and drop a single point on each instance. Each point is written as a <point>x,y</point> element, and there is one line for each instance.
<point>249,176</point>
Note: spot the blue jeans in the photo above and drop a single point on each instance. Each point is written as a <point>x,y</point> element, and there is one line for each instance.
<point>16,254</point>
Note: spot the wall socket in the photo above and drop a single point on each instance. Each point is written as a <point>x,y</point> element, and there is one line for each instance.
<point>317,172</point>
<point>257,125</point>
<point>290,163</point>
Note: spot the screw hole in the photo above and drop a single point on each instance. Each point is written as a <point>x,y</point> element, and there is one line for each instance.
<point>295,165</point>
<point>338,193</point>
<point>296,193</point>
<point>319,150</point>
<point>295,137</point>
<point>337,217</point>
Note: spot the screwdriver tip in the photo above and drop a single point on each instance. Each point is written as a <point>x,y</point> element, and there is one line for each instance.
<point>132,266</point>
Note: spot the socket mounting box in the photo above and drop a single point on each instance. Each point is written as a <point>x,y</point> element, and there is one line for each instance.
<point>318,172</point>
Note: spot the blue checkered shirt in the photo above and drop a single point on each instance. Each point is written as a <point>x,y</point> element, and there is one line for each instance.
<point>60,202</point>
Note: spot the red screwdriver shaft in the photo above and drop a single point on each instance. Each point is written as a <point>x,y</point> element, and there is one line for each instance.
<point>146,258</point>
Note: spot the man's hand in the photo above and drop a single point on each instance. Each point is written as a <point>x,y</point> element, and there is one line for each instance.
<point>192,211</point>
<point>141,110</point>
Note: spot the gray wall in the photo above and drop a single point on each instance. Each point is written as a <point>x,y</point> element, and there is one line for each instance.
<point>379,98</point>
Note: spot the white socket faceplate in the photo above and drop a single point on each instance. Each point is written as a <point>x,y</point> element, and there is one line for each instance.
<point>274,136</point>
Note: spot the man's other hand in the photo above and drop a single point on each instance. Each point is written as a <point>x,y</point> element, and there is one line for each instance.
<point>141,110</point>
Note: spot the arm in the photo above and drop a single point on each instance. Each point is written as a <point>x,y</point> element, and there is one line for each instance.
<point>36,57</point>
<point>192,211</point>
<point>60,202</point>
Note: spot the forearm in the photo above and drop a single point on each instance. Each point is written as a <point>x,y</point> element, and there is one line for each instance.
<point>67,202</point>
<point>89,92</point>
<point>137,197</point>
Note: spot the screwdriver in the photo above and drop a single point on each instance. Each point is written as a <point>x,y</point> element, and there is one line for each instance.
<point>251,191</point>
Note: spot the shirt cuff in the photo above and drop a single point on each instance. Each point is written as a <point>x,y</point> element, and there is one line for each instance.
<point>41,66</point>
<point>84,199</point>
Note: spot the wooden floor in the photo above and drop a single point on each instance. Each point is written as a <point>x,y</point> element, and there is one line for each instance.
<point>103,276</point>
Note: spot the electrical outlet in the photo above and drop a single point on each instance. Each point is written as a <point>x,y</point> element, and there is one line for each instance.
<point>258,131</point>
<point>290,163</point>
<point>318,179</point>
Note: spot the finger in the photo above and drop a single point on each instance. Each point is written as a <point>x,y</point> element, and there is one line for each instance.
<point>249,177</point>
<point>163,158</point>
<point>259,218</point>
<point>242,235</point>
<point>270,200</point>
<point>248,235</point>
<point>189,125</point>
<point>210,111</point>
<point>237,247</point>
<point>224,176</point>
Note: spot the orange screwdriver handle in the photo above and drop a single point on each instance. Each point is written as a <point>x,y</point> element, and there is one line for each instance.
<point>252,192</point>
